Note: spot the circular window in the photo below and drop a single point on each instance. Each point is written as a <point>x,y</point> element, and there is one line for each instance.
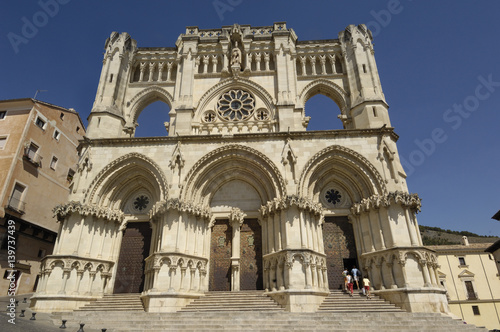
<point>236,105</point>
<point>333,196</point>
<point>141,203</point>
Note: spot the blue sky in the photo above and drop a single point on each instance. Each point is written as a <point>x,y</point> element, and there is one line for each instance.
<point>438,63</point>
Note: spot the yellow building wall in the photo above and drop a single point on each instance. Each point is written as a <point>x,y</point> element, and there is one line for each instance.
<point>480,268</point>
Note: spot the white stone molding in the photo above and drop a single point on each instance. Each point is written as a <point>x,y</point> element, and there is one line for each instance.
<point>64,210</point>
<point>144,98</point>
<point>278,270</point>
<point>329,89</point>
<point>411,201</point>
<point>229,83</point>
<point>162,207</point>
<point>202,175</point>
<point>279,204</point>
<point>176,280</point>
<point>351,160</point>
<point>135,159</point>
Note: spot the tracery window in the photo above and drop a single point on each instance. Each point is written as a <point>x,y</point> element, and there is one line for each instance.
<point>236,105</point>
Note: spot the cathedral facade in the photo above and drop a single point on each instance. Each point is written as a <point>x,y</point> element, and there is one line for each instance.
<point>239,195</point>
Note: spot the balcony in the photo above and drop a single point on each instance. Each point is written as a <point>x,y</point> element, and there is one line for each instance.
<point>32,156</point>
<point>16,205</point>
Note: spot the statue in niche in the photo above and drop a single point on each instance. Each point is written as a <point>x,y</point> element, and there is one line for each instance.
<point>236,56</point>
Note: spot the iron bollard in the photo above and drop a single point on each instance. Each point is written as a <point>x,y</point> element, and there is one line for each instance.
<point>81,328</point>
<point>24,301</point>
<point>63,326</point>
<point>17,303</point>
<point>22,313</point>
<point>104,330</point>
<point>33,314</point>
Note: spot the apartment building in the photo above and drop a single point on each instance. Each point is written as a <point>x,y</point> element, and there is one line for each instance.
<point>38,158</point>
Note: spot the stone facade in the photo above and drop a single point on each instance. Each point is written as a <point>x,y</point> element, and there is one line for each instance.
<point>238,150</point>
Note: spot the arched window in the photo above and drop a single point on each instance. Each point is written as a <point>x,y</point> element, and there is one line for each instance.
<point>152,120</point>
<point>323,113</point>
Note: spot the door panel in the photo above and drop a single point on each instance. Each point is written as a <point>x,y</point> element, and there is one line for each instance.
<point>338,238</point>
<point>134,250</point>
<point>220,257</point>
<point>251,255</point>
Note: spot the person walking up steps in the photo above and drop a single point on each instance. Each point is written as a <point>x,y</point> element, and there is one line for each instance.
<point>356,274</point>
<point>366,284</point>
<point>344,274</point>
<point>350,285</point>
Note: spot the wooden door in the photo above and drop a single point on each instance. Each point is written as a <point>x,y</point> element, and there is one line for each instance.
<point>220,257</point>
<point>338,238</point>
<point>131,262</point>
<point>251,255</point>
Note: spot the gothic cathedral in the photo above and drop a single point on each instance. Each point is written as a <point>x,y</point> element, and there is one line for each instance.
<point>239,195</point>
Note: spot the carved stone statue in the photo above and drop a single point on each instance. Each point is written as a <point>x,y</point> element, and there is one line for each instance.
<point>236,55</point>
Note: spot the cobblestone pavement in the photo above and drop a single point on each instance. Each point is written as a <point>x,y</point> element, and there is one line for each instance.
<point>43,322</point>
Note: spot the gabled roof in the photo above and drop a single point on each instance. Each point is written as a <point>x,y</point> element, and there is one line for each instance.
<point>34,101</point>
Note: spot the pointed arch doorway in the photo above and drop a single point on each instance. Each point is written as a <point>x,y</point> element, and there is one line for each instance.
<point>340,249</point>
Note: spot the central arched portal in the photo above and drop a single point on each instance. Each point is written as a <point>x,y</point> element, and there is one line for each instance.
<point>340,249</point>
<point>222,256</point>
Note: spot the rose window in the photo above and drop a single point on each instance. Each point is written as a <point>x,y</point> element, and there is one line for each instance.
<point>236,105</point>
<point>141,203</point>
<point>333,196</point>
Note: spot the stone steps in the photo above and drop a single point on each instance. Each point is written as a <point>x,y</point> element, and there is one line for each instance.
<point>233,301</point>
<point>266,321</point>
<point>115,302</point>
<point>255,311</point>
<point>339,301</point>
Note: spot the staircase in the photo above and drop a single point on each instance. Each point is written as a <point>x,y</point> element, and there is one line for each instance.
<point>115,302</point>
<point>339,301</point>
<point>255,311</point>
<point>233,301</point>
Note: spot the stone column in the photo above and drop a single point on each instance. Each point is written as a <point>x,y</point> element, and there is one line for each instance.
<point>391,277</point>
<point>160,71</point>
<point>266,61</point>
<point>303,65</point>
<point>322,60</point>
<point>66,273</point>
<point>332,62</point>
<point>143,68</point>
<point>312,59</point>
<point>79,276</point>
<point>279,276</point>
<point>277,232</point>
<point>427,278</point>
<point>91,280</point>
<point>235,257</point>
<point>169,71</point>
<point>151,69</point>
<point>325,277</point>
<point>314,282</point>
<point>411,230</point>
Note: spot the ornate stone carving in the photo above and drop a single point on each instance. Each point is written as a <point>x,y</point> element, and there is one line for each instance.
<point>162,207</point>
<point>63,210</point>
<point>411,201</point>
<point>291,200</point>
